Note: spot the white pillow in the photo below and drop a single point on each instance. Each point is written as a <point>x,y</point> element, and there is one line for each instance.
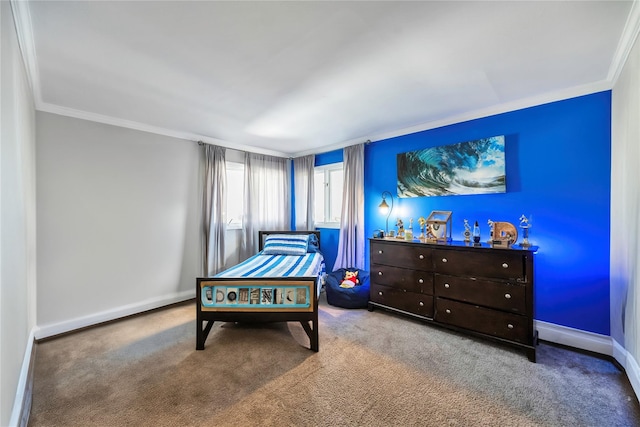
<point>286,244</point>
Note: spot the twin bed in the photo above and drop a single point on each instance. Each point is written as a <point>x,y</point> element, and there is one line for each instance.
<point>279,284</point>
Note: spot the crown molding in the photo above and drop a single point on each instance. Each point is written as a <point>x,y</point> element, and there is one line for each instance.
<point>22,19</point>
<point>478,114</point>
<point>520,104</point>
<point>129,124</point>
<point>627,40</point>
<point>24,32</point>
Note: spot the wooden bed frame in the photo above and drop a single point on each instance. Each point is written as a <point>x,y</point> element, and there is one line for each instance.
<point>307,316</point>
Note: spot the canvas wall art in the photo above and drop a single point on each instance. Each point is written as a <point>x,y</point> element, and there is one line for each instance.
<point>472,167</point>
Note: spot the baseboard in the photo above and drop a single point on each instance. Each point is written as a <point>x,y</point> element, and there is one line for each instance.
<point>630,365</point>
<point>46,331</point>
<point>576,338</point>
<point>24,392</point>
<point>596,343</point>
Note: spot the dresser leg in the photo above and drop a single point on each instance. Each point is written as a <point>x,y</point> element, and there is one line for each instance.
<point>369,306</point>
<point>531,354</point>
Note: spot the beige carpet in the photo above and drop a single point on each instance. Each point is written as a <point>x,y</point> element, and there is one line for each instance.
<point>373,369</point>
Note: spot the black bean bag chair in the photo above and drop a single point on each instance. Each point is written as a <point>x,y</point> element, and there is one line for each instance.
<point>355,297</point>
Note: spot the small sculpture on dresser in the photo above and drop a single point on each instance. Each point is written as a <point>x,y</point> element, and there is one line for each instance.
<point>400,226</point>
<point>422,222</point>
<point>525,224</point>
<point>467,231</point>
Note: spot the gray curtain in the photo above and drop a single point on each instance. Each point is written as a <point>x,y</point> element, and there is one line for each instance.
<point>267,198</point>
<point>351,242</point>
<point>214,201</point>
<point>303,173</point>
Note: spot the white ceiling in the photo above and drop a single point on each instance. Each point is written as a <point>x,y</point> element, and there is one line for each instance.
<point>296,77</point>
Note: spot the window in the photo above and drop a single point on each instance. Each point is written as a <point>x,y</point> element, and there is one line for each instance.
<point>235,195</point>
<point>327,183</point>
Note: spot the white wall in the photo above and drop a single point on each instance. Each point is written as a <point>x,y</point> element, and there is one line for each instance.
<point>118,221</point>
<point>625,217</point>
<point>17,220</point>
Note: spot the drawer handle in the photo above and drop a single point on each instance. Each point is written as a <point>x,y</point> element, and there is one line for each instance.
<point>380,252</point>
<point>380,293</point>
<point>446,285</point>
<point>421,256</point>
<point>421,304</point>
<point>447,311</point>
<point>505,265</point>
<point>420,281</point>
<point>444,260</point>
<point>379,273</point>
<point>507,296</point>
<point>510,326</point>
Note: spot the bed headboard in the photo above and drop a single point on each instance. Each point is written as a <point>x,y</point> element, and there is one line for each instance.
<point>263,234</point>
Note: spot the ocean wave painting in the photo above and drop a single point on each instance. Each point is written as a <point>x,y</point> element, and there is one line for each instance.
<point>473,167</point>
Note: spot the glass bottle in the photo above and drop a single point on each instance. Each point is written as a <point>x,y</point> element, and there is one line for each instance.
<point>408,234</point>
<point>476,233</point>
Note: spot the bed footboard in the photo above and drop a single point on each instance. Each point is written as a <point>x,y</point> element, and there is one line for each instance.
<point>257,300</point>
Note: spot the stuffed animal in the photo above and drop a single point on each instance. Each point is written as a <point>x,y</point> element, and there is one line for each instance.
<point>350,279</point>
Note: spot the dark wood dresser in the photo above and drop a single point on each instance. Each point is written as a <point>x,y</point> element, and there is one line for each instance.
<point>477,289</point>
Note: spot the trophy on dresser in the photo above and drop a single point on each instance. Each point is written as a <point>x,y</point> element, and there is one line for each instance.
<point>467,231</point>
<point>422,223</point>
<point>525,224</point>
<point>400,225</point>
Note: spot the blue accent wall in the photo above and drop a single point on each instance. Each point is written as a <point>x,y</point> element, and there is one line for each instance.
<point>558,162</point>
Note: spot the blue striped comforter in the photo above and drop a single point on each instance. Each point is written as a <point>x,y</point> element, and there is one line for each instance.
<point>261,265</point>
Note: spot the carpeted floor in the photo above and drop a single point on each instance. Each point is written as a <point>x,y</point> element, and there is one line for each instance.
<point>373,369</point>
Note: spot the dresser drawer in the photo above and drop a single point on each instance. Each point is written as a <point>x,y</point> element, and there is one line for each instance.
<point>410,255</point>
<point>402,278</point>
<point>500,295</point>
<point>411,302</point>
<point>500,324</point>
<point>480,263</point>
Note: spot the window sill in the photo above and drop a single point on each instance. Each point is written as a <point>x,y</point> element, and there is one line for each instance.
<point>334,225</point>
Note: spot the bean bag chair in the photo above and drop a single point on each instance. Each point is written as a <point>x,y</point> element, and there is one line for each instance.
<point>356,296</point>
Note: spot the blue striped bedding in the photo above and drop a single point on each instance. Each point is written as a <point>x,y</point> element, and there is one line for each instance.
<point>260,265</point>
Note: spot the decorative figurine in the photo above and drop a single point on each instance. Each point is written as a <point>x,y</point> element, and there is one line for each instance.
<point>505,234</point>
<point>467,231</point>
<point>400,226</point>
<point>438,229</point>
<point>422,222</point>
<point>525,225</point>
